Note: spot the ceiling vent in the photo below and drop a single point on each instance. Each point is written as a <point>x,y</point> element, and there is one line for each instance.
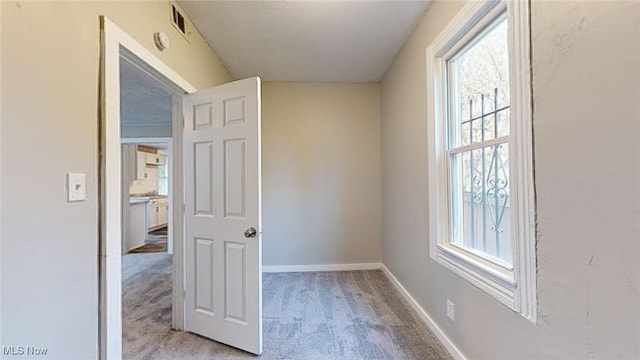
<point>179,21</point>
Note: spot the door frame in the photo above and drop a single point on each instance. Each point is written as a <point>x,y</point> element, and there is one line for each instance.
<point>114,45</point>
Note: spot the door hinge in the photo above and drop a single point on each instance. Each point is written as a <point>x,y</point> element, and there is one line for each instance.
<point>183,122</point>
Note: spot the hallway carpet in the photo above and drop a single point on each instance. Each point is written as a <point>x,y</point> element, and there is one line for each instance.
<point>307,316</point>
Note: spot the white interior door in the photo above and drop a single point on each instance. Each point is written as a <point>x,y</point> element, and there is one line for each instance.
<point>223,242</point>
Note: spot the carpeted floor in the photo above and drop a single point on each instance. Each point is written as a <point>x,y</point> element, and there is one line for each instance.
<point>307,316</point>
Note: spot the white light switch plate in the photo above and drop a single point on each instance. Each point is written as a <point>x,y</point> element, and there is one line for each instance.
<point>76,187</point>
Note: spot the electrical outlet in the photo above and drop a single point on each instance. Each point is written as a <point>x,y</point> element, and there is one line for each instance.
<point>451,310</point>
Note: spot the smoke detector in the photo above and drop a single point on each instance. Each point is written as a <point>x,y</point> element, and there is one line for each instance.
<point>162,40</point>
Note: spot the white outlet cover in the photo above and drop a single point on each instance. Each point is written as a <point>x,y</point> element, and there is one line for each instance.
<point>76,187</point>
<point>450,310</point>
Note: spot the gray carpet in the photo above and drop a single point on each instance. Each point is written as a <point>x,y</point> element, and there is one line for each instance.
<point>321,315</point>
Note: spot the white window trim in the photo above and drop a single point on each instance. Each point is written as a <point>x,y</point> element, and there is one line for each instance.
<point>515,287</point>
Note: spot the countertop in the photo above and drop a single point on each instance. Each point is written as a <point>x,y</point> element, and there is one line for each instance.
<point>134,199</point>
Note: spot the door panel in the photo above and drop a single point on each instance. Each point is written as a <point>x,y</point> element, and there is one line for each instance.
<point>203,115</point>
<point>223,294</point>
<point>235,283</point>
<point>235,170</point>
<point>203,186</point>
<point>204,276</point>
<point>234,114</point>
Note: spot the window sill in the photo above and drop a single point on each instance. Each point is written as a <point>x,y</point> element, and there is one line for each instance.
<point>493,279</point>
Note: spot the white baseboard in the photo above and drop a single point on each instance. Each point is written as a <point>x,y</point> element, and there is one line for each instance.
<point>448,344</point>
<point>327,267</point>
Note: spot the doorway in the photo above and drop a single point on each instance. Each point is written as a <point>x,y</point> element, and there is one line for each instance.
<point>217,278</point>
<point>116,46</point>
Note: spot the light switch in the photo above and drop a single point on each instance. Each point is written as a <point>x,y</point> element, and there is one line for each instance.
<point>76,187</point>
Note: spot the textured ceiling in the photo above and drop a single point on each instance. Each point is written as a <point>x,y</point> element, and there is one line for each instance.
<point>143,100</point>
<point>324,41</point>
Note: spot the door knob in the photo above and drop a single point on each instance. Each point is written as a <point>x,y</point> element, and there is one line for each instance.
<point>251,232</point>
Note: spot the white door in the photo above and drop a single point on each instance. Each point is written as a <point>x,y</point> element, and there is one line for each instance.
<point>223,243</point>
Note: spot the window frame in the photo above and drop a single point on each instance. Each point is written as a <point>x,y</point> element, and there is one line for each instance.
<point>515,287</point>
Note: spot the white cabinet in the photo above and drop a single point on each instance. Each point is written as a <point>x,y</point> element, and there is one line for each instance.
<point>145,171</point>
<point>141,166</point>
<point>137,225</point>
<point>163,211</point>
<point>152,215</point>
<point>157,213</point>
<point>152,174</point>
<point>155,159</point>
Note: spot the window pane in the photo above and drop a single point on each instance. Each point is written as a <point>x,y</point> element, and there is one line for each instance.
<point>479,87</point>
<point>479,101</point>
<point>503,122</point>
<point>163,179</point>
<point>480,201</point>
<point>163,186</point>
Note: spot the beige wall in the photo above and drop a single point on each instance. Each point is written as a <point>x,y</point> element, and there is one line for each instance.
<point>321,173</point>
<point>49,248</point>
<point>586,86</point>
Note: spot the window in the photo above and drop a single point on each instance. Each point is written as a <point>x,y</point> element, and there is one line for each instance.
<point>478,144</point>
<point>481,196</point>
<point>163,177</point>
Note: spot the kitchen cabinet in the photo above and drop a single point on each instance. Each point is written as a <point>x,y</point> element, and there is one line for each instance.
<point>141,166</point>
<point>163,214</point>
<point>155,159</point>
<point>152,174</point>
<point>157,213</point>
<point>137,225</point>
<point>143,170</point>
